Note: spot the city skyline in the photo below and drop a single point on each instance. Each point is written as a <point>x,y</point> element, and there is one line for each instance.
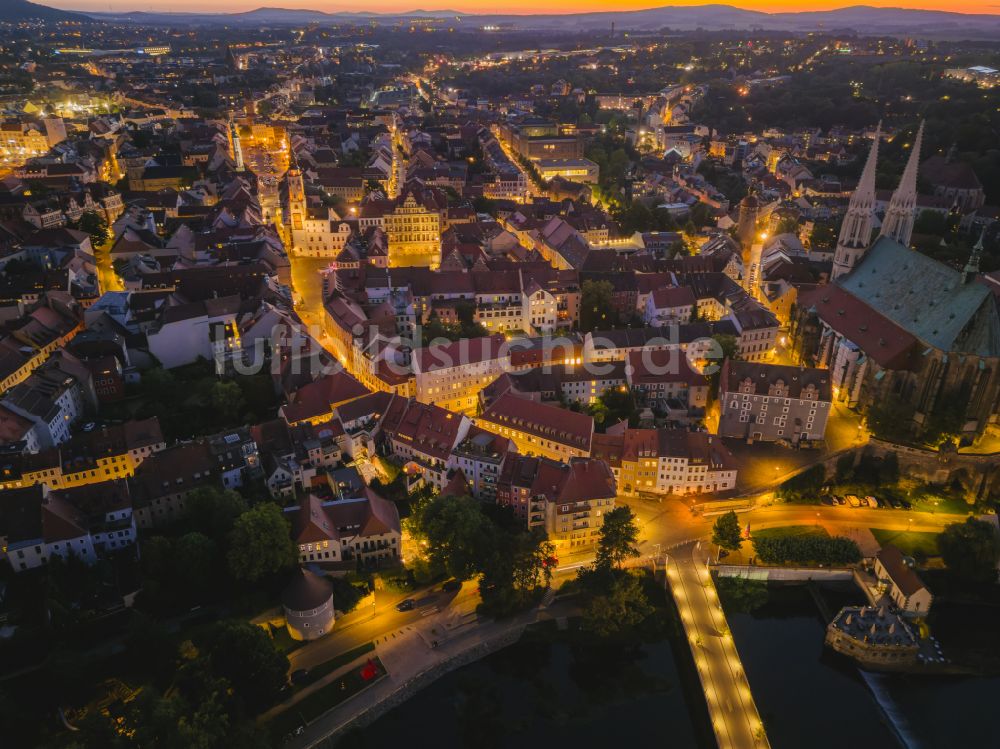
<point>620,365</point>
<point>514,7</point>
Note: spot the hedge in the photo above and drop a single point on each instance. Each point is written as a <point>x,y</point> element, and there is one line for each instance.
<point>806,550</point>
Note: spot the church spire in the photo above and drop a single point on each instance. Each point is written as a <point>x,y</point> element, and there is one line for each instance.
<point>899,216</point>
<point>856,229</point>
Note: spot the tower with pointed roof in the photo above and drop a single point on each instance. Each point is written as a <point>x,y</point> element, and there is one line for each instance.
<point>856,230</point>
<point>296,195</point>
<point>746,226</point>
<point>902,210</point>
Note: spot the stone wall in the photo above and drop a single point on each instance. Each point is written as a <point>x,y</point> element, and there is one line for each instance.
<point>978,473</point>
<point>788,574</point>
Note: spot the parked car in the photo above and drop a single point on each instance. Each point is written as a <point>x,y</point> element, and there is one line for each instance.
<point>451,586</point>
<point>406,604</point>
<point>837,499</point>
<point>852,500</point>
<point>300,676</point>
<point>872,502</point>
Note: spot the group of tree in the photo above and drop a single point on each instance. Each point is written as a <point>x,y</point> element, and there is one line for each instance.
<point>193,400</point>
<point>612,407</point>
<point>971,550</point>
<point>868,471</point>
<point>466,327</point>
<point>597,310</point>
<point>836,550</point>
<point>615,601</point>
<point>805,486</point>
<point>222,543</point>
<point>206,693</point>
<point>467,539</point>
<point>95,226</point>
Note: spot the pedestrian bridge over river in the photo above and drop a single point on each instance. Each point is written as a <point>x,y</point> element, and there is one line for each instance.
<point>731,707</point>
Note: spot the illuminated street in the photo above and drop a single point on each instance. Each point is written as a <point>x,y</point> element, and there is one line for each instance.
<point>381,380</point>
<point>106,276</point>
<point>731,707</point>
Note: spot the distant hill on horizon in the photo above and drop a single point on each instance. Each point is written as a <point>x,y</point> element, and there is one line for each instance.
<point>15,11</point>
<point>712,17</point>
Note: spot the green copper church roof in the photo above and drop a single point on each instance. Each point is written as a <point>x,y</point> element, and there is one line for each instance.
<point>926,298</point>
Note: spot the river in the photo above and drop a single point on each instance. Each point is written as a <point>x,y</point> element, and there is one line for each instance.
<point>811,697</point>
<point>541,692</point>
<point>548,691</point>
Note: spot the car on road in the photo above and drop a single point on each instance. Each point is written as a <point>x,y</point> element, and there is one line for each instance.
<point>451,586</point>
<point>407,604</point>
<point>300,676</point>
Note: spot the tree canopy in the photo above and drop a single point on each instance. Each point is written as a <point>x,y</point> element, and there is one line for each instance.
<point>621,605</point>
<point>458,534</point>
<point>618,540</point>
<point>260,544</point>
<point>726,532</point>
<point>245,655</point>
<point>970,550</point>
<point>597,310</point>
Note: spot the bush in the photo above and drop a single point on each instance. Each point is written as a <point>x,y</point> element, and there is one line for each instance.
<point>346,595</point>
<point>807,550</point>
<point>804,486</point>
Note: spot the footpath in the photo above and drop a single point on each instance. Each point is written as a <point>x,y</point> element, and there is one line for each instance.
<point>413,657</point>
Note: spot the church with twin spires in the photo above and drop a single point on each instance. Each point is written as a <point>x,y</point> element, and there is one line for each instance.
<point>896,325</point>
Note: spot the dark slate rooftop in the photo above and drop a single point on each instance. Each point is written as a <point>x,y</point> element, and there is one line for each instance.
<point>926,298</point>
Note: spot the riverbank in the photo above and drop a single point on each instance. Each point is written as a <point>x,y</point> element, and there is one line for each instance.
<point>411,664</point>
<point>556,685</point>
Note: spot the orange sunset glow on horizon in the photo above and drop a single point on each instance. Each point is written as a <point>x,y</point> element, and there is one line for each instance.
<point>511,6</point>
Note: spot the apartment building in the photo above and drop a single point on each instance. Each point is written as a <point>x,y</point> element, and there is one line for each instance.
<point>105,454</point>
<point>667,461</point>
<point>662,378</point>
<point>768,402</point>
<point>38,524</point>
<point>451,375</point>
<point>361,529</point>
<point>165,479</point>
<point>423,436</point>
<point>50,401</point>
<point>480,457</point>
<point>538,428</point>
<point>567,500</point>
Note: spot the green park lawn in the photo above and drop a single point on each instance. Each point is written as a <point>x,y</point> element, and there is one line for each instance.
<point>930,501</point>
<point>322,700</point>
<point>283,641</point>
<point>911,543</point>
<point>790,530</point>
